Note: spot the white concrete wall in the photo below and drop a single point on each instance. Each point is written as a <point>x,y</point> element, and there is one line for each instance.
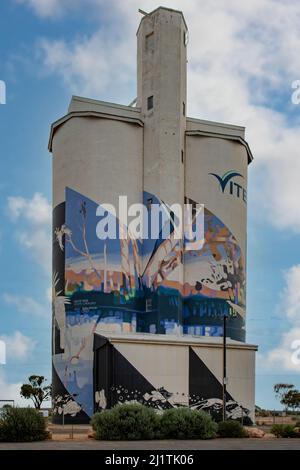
<point>240,372</point>
<point>193,124</point>
<point>162,365</point>
<point>161,71</point>
<point>167,365</point>
<point>205,155</point>
<point>99,158</point>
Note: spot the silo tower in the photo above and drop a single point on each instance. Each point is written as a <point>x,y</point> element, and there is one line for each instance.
<point>141,319</point>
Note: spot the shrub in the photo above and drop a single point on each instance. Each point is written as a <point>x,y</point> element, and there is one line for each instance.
<point>126,422</point>
<point>231,429</point>
<point>184,423</point>
<point>22,425</point>
<point>216,415</point>
<point>284,430</point>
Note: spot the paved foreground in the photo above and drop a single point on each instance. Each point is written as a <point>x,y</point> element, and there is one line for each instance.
<point>215,444</point>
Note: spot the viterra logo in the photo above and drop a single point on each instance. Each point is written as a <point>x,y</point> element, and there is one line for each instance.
<point>234,187</point>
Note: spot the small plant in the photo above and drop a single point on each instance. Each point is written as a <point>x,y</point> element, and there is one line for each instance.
<point>22,425</point>
<point>231,429</point>
<point>184,423</point>
<point>284,430</point>
<point>126,422</point>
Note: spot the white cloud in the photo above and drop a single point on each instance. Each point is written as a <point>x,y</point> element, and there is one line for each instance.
<point>291,294</point>
<point>286,356</point>
<point>49,293</point>
<point>18,346</point>
<point>36,210</point>
<point>39,243</point>
<point>11,391</point>
<point>243,57</point>
<point>46,8</point>
<point>55,9</point>
<point>26,305</point>
<point>34,220</point>
<point>75,62</point>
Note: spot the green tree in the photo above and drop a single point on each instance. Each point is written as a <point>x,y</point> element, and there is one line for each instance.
<point>292,399</point>
<point>281,391</point>
<point>36,390</point>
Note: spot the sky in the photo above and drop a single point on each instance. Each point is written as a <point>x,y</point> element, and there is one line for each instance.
<point>242,61</point>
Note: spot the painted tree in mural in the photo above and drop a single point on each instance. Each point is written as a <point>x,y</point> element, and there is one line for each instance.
<point>65,231</point>
<point>35,390</point>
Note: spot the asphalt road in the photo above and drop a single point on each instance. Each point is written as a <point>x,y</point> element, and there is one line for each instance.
<point>215,444</point>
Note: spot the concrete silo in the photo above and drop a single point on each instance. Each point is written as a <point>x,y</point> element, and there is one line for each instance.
<point>142,319</point>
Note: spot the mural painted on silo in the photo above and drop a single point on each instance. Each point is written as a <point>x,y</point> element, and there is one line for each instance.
<point>99,286</point>
<point>125,286</point>
<point>215,283</point>
<point>106,279</point>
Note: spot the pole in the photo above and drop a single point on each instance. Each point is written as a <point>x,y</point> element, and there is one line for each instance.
<point>105,268</point>
<point>224,367</point>
<point>72,431</point>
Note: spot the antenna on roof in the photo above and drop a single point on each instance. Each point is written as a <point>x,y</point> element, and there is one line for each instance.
<point>143,12</point>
